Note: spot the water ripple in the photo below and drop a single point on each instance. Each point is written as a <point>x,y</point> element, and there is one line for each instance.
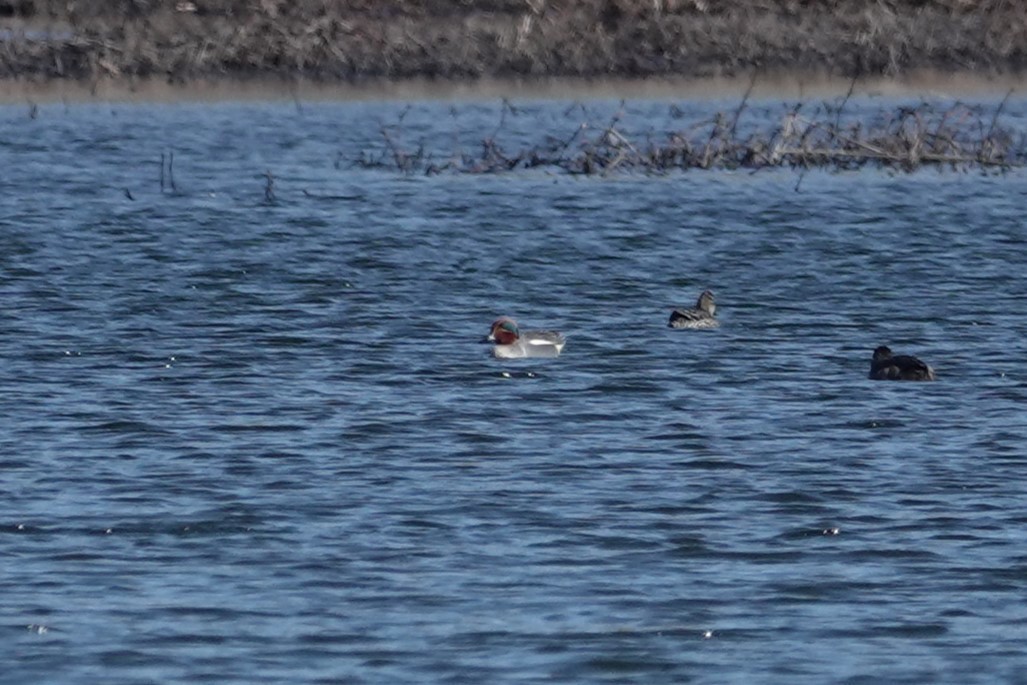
<point>250,442</point>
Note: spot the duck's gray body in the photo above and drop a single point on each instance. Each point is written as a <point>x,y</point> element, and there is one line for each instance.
<point>700,316</point>
<point>532,344</point>
<point>513,343</point>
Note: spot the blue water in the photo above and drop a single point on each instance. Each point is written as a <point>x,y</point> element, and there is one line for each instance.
<point>245,441</point>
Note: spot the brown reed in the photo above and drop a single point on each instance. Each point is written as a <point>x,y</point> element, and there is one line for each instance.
<point>361,40</point>
<point>907,138</point>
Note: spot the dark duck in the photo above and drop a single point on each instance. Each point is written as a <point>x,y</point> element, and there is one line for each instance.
<point>885,366</point>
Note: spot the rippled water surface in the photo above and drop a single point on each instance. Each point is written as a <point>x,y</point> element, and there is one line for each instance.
<point>246,441</point>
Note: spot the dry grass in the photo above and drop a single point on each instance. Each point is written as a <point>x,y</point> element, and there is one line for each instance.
<point>824,136</point>
<point>336,40</point>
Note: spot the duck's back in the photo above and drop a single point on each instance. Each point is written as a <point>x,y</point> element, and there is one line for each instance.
<point>691,318</point>
<point>901,368</point>
<point>540,344</point>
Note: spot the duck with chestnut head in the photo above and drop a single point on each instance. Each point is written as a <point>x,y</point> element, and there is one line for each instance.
<point>513,343</point>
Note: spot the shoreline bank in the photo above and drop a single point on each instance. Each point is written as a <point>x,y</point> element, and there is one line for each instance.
<point>794,86</point>
<point>388,47</point>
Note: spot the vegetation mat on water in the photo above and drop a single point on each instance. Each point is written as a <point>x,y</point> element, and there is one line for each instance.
<point>907,138</point>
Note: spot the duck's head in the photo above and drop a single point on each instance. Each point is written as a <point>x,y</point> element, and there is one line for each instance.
<point>706,303</point>
<point>504,331</point>
<point>882,352</point>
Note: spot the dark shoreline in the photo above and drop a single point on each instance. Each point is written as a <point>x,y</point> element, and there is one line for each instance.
<point>364,44</point>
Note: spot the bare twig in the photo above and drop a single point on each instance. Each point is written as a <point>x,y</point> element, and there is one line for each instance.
<point>906,139</point>
<point>269,187</point>
<point>742,104</point>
